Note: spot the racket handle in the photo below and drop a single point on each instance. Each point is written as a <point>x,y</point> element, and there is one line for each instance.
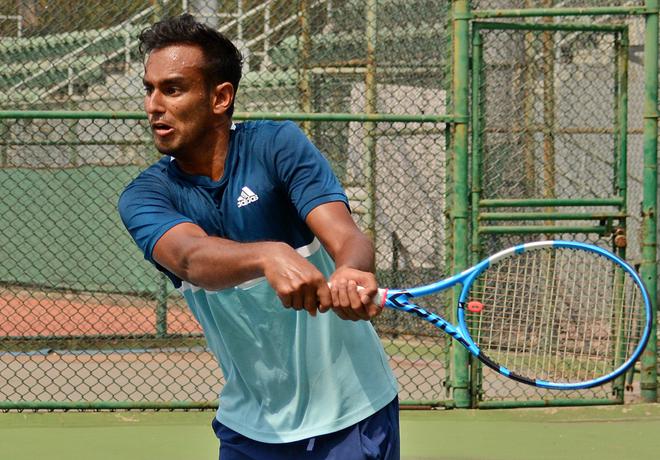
<point>379,299</point>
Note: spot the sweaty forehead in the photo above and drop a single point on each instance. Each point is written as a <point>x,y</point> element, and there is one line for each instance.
<point>183,60</point>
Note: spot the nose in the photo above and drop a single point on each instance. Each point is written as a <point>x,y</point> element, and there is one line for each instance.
<point>153,103</point>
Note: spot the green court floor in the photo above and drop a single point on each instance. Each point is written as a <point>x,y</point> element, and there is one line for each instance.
<point>603,433</point>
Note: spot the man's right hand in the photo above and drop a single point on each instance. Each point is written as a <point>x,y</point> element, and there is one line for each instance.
<point>297,282</point>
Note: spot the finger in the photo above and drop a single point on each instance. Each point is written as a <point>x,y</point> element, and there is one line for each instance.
<point>297,301</point>
<point>310,300</point>
<point>366,299</point>
<point>341,313</point>
<point>373,310</point>
<point>324,298</point>
<point>286,300</point>
<point>351,315</point>
<point>334,293</point>
<point>343,299</point>
<point>359,309</point>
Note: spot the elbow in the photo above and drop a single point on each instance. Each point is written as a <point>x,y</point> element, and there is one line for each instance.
<point>190,266</point>
<point>193,271</point>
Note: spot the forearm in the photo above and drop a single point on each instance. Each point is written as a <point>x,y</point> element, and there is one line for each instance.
<point>211,262</point>
<point>216,263</point>
<point>347,245</point>
<point>356,251</point>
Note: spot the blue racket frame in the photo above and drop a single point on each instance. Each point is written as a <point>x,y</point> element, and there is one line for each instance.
<point>399,299</point>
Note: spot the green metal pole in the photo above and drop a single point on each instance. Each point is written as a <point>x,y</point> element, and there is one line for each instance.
<point>546,403</point>
<point>430,404</point>
<point>649,269</point>
<point>595,215</point>
<point>304,84</point>
<point>460,370</point>
<point>621,171</point>
<point>547,26</point>
<point>370,127</point>
<point>5,129</point>
<point>550,229</point>
<point>160,405</point>
<point>549,156</point>
<point>161,307</point>
<point>477,130</point>
<point>296,116</point>
<point>529,83</point>
<point>159,10</point>
<point>539,202</point>
<point>476,155</point>
<point>106,405</point>
<point>621,128</point>
<point>540,12</point>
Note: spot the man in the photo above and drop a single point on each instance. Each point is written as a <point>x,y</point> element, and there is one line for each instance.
<point>250,224</point>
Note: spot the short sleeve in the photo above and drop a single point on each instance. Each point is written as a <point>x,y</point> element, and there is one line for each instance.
<point>303,171</point>
<point>147,213</point>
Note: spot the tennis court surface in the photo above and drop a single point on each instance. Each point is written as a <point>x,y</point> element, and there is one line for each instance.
<point>603,433</point>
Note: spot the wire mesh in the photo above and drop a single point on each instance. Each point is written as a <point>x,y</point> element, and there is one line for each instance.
<point>83,318</point>
<point>550,130</point>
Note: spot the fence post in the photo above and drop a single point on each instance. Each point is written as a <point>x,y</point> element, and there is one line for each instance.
<point>459,212</point>
<point>621,160</point>
<point>649,269</point>
<point>304,84</point>
<point>4,146</point>
<point>161,306</point>
<point>370,127</point>
<point>475,182</point>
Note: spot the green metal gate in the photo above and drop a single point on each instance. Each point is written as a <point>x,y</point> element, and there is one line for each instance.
<point>549,137</point>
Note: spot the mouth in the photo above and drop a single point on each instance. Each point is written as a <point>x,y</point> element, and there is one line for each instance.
<point>161,129</point>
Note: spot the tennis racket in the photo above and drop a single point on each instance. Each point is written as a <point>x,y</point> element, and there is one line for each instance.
<point>553,314</point>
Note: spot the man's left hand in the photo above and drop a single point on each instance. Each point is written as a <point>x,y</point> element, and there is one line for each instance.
<point>348,303</point>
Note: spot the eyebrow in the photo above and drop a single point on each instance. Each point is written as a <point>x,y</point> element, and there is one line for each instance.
<point>166,81</point>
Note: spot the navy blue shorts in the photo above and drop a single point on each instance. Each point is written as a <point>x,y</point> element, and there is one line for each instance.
<point>376,437</point>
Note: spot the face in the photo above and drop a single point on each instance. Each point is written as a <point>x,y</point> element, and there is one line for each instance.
<point>177,100</point>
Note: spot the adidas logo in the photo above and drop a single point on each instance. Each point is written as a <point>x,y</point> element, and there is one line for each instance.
<point>247,197</point>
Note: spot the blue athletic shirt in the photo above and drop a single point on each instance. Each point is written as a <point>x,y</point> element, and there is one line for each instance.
<point>289,376</point>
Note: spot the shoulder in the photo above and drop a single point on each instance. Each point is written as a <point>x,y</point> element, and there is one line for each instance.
<point>157,172</point>
<point>153,178</point>
<point>269,131</point>
<point>269,142</point>
<point>265,127</point>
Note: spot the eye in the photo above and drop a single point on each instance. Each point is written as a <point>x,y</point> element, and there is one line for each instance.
<point>172,90</point>
<point>148,90</point>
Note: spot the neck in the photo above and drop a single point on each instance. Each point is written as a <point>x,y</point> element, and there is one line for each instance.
<point>208,158</point>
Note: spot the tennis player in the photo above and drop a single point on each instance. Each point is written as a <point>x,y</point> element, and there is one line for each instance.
<point>250,224</point>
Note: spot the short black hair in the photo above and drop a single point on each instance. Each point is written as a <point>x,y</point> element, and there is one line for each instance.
<point>223,59</point>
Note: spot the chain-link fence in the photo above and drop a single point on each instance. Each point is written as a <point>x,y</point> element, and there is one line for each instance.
<point>83,318</point>
<point>86,322</point>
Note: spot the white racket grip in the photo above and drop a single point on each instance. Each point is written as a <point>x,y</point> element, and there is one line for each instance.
<point>379,299</point>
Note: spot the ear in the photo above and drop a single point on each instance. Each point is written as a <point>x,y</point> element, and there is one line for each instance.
<point>222,97</point>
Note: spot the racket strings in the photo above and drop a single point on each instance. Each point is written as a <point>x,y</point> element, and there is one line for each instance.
<point>562,315</point>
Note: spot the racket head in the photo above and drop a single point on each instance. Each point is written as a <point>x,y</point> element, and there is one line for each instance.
<point>555,314</point>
